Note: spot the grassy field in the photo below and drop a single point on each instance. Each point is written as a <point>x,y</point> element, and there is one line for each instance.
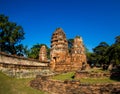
<point>10,85</point>
<point>69,76</point>
<point>96,80</point>
<point>64,76</point>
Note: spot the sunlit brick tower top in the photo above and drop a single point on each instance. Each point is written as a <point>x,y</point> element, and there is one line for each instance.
<point>78,53</point>
<point>43,54</point>
<point>78,46</point>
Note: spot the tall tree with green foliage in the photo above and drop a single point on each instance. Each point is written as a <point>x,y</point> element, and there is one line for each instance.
<point>100,53</point>
<point>34,51</point>
<point>114,52</point>
<point>117,39</point>
<point>11,35</point>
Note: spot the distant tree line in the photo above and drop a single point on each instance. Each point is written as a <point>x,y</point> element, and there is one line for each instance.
<point>105,54</point>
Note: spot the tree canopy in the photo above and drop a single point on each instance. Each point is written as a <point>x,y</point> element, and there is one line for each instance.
<point>70,44</point>
<point>11,35</point>
<point>114,52</point>
<point>105,54</point>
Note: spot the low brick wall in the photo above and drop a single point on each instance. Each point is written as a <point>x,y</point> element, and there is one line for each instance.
<point>73,87</point>
<point>21,67</point>
<point>86,74</point>
<point>12,59</point>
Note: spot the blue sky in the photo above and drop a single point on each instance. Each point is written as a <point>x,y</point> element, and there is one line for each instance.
<point>94,20</point>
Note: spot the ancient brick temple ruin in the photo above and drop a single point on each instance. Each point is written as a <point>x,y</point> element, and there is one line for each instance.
<point>43,54</point>
<point>61,59</point>
<point>78,57</point>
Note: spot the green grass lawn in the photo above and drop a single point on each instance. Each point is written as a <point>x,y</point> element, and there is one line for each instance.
<point>69,76</point>
<point>64,76</point>
<point>96,80</point>
<point>98,70</point>
<point>10,85</point>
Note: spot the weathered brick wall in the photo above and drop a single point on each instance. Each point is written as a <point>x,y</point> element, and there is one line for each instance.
<point>73,87</point>
<point>11,59</point>
<point>86,74</point>
<point>21,67</point>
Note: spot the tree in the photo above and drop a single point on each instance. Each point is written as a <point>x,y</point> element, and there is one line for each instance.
<point>91,58</point>
<point>34,51</point>
<point>117,40</point>
<point>70,44</point>
<point>22,50</point>
<point>114,52</point>
<point>11,35</point>
<point>101,48</point>
<point>100,53</point>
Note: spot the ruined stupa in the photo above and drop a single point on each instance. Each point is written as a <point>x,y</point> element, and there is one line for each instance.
<point>43,54</point>
<point>78,56</point>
